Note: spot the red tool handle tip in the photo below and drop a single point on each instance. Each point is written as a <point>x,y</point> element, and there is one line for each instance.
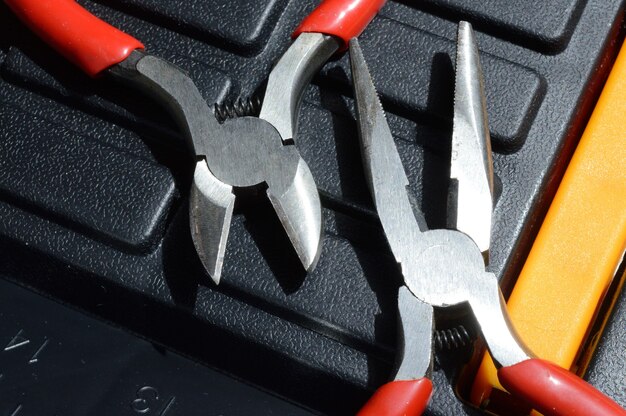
<point>554,391</point>
<point>75,33</point>
<point>344,19</point>
<point>399,398</point>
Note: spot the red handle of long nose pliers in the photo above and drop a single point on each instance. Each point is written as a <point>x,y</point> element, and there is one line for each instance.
<point>75,33</point>
<point>554,391</point>
<point>344,19</point>
<point>399,398</point>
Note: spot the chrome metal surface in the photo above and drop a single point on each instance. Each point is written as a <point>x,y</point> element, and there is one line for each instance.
<point>440,267</point>
<point>415,343</point>
<point>241,152</point>
<point>503,341</point>
<point>286,83</point>
<point>247,152</point>
<point>171,87</point>
<point>211,205</point>
<point>385,174</point>
<point>471,169</point>
<point>298,208</point>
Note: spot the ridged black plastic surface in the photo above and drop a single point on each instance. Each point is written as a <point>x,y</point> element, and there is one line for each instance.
<point>94,180</point>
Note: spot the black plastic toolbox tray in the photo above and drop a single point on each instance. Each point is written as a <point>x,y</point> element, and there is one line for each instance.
<point>115,240</point>
<point>545,26</point>
<point>57,361</point>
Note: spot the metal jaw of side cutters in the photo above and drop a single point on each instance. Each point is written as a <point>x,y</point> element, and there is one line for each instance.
<point>243,153</point>
<point>441,268</point>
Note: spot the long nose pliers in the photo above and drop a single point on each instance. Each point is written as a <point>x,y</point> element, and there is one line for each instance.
<point>239,154</point>
<point>445,268</point>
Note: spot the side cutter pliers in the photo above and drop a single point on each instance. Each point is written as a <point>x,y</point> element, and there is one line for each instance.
<point>240,154</point>
<point>445,268</point>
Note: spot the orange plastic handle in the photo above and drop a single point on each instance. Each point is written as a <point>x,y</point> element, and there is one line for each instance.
<point>344,19</point>
<point>554,391</point>
<point>75,33</point>
<point>399,398</point>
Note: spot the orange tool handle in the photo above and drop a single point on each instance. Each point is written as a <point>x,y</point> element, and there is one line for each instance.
<point>344,19</point>
<point>399,398</point>
<point>554,391</point>
<point>79,36</point>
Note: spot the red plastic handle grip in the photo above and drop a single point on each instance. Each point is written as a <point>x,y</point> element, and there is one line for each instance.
<point>344,19</point>
<point>399,398</point>
<point>554,391</point>
<point>75,33</point>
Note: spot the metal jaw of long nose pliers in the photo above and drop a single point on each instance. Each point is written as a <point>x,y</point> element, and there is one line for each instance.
<point>238,154</point>
<point>446,268</point>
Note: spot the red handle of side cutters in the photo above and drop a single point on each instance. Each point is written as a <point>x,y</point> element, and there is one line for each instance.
<point>344,19</point>
<point>399,398</point>
<point>554,391</point>
<point>75,33</point>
